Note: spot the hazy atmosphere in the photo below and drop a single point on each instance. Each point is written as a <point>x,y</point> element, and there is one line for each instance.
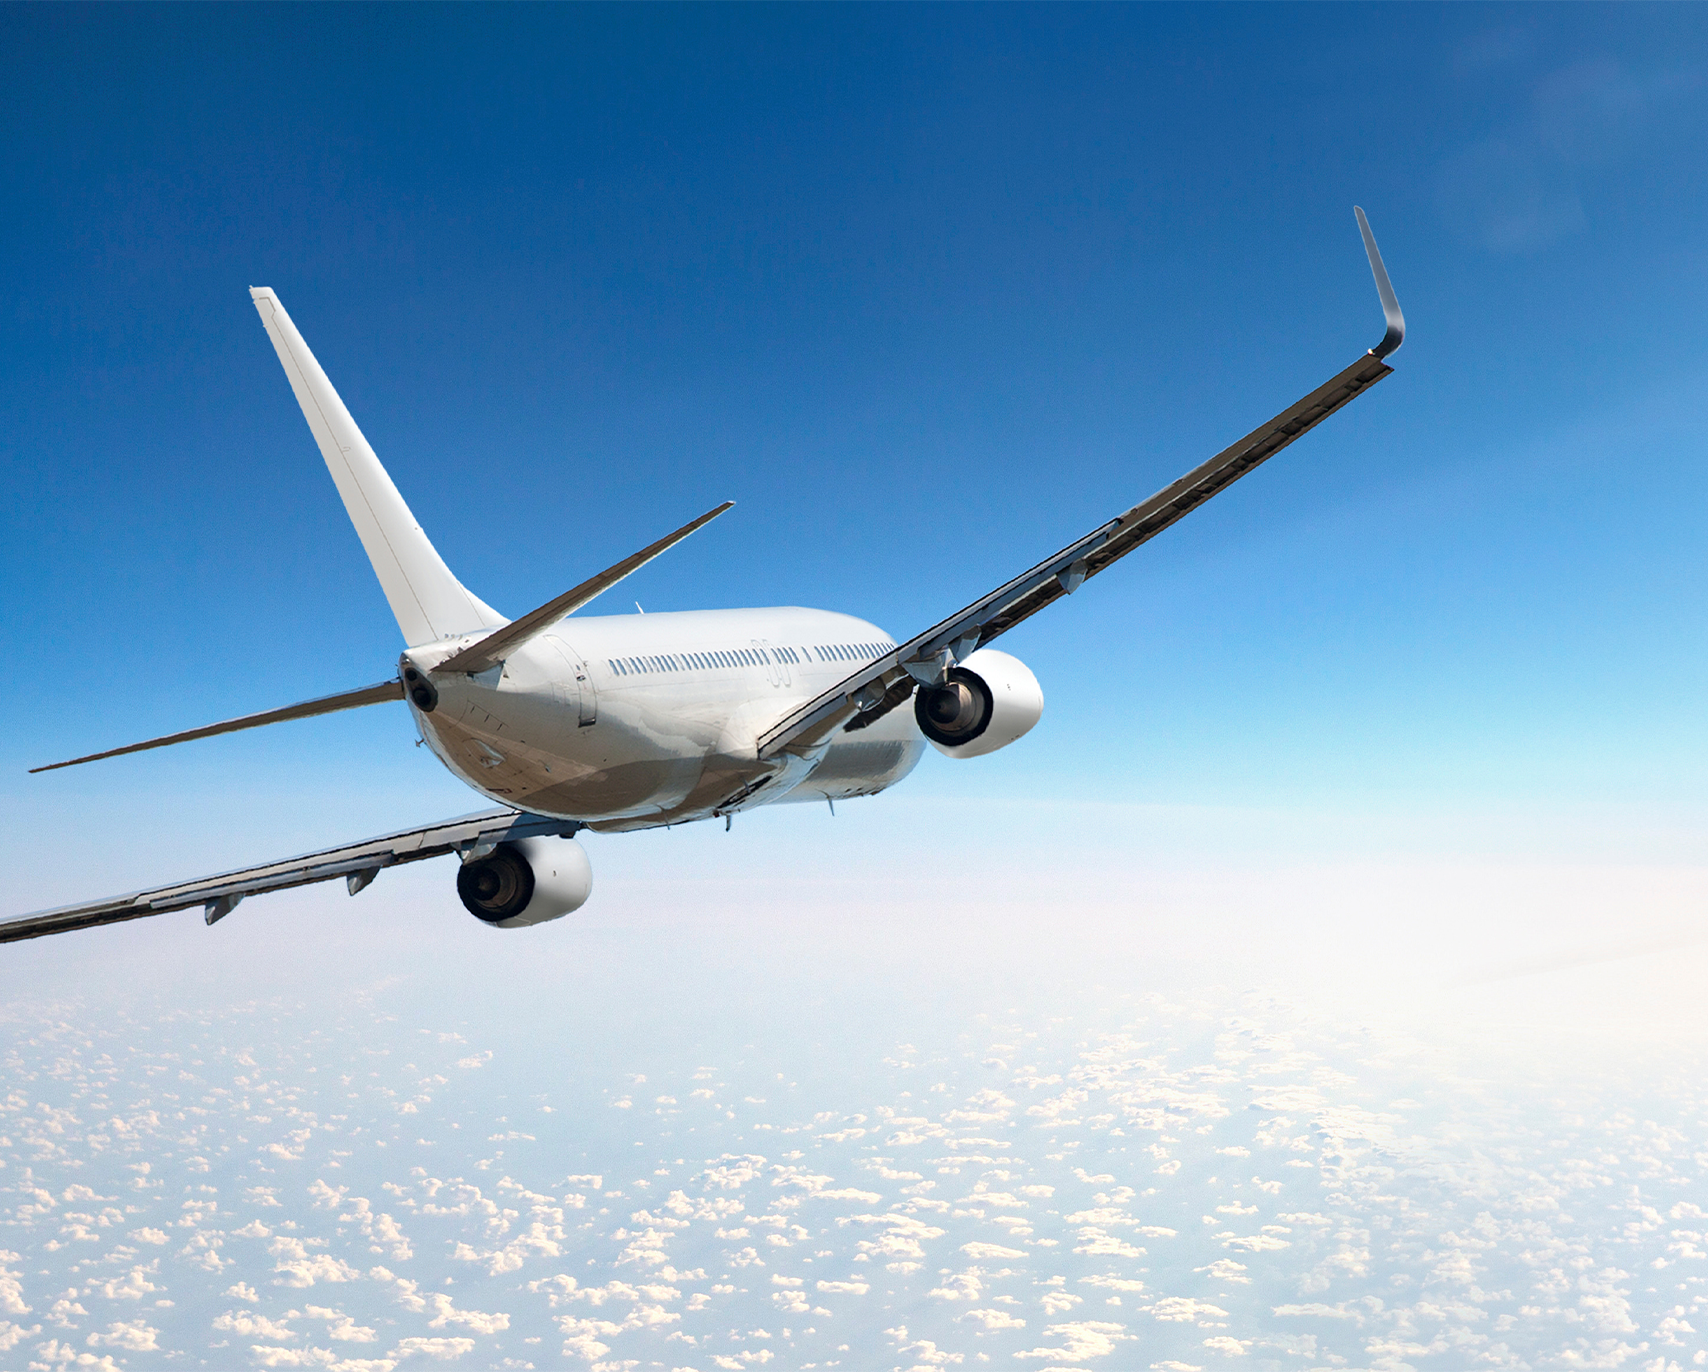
<point>1317,986</point>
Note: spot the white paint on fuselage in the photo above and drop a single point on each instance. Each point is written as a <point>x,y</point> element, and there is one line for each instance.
<point>675,716</point>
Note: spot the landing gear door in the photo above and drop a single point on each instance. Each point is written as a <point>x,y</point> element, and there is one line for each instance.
<point>573,685</point>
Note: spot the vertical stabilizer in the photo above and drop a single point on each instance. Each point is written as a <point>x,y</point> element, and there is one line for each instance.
<point>428,601</point>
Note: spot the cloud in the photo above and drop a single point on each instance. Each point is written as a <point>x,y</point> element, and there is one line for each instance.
<point>317,1267</point>
<point>994,1319</point>
<point>339,1325</point>
<point>55,1356</point>
<point>991,1250</point>
<point>11,1287</point>
<point>133,1286</point>
<point>1095,1243</point>
<point>252,1325</point>
<point>11,1335</point>
<point>480,1323</point>
<point>1183,1308</point>
<point>1255,1243</point>
<point>442,1349</point>
<point>1110,1282</point>
<point>924,1352</point>
<point>1082,1340</point>
<point>1519,187</point>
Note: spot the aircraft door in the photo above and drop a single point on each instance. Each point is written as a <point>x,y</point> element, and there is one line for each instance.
<point>776,669</point>
<point>573,684</point>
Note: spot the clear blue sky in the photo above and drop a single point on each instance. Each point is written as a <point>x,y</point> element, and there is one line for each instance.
<point>928,292</point>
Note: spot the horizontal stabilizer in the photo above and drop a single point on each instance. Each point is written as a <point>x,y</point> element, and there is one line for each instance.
<point>326,705</point>
<point>493,649</point>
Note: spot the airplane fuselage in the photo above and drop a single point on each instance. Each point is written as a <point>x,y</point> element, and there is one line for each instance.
<point>634,721</point>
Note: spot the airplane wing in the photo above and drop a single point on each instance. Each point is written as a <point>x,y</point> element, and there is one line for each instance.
<point>357,863</point>
<point>880,686</point>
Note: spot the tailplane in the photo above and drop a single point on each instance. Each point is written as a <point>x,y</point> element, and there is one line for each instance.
<point>428,601</point>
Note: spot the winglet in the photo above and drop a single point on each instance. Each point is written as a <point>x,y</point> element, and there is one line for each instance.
<point>1396,333</point>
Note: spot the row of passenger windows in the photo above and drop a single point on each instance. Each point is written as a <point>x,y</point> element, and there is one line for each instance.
<point>746,657</point>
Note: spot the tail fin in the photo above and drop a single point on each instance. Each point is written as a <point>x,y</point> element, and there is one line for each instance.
<point>429,603</point>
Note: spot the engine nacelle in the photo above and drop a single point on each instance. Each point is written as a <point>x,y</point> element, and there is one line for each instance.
<point>527,881</point>
<point>987,702</point>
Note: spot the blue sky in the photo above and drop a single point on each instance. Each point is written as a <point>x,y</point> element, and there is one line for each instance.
<point>928,292</point>
<point>1373,793</point>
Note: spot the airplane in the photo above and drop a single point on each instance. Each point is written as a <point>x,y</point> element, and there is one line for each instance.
<point>623,722</point>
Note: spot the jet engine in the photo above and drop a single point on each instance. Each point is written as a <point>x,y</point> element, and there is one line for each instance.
<point>527,881</point>
<point>984,704</point>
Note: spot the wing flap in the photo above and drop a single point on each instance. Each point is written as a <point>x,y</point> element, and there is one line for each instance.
<point>389,850</point>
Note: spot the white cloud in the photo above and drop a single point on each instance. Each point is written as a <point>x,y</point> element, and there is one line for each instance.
<point>11,1335</point>
<point>442,1349</point>
<point>316,1267</point>
<point>447,1314</point>
<point>991,1250</point>
<point>252,1325</point>
<point>1255,1243</point>
<point>54,1355</point>
<point>924,1352</point>
<point>1096,1243</point>
<point>993,1318</point>
<point>1081,1340</point>
<point>133,1286</point>
<point>339,1325</point>
<point>1186,1308</point>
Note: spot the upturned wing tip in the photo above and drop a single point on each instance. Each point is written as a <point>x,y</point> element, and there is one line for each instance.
<point>1396,332</point>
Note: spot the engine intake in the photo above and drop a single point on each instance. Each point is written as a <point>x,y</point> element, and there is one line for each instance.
<point>985,703</point>
<point>528,881</point>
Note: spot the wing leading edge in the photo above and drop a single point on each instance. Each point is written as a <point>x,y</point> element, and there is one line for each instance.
<point>358,863</point>
<point>880,686</point>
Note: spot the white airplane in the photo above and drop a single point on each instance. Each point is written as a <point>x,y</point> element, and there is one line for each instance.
<point>634,721</point>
